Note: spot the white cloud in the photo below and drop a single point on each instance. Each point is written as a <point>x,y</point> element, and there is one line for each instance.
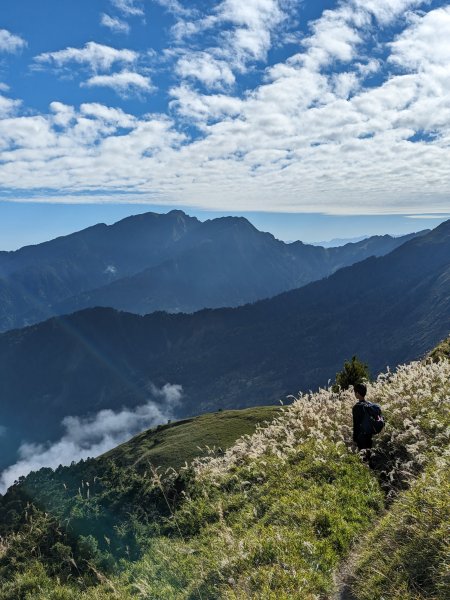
<point>128,7</point>
<point>126,82</point>
<point>8,107</point>
<point>10,43</point>
<point>114,24</point>
<point>311,137</point>
<point>437,217</point>
<point>369,68</point>
<point>91,436</point>
<point>32,132</point>
<point>96,56</point>
<point>244,34</point>
<point>174,6</point>
<point>206,69</point>
<point>345,84</point>
<point>203,107</point>
<point>184,28</point>
<point>385,11</point>
<point>334,37</point>
<point>253,21</point>
<point>63,114</point>
<point>108,114</point>
<point>425,42</point>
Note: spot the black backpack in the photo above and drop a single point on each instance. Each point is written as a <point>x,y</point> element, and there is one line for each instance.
<point>373,422</point>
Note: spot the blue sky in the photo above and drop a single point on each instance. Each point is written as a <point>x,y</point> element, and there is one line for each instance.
<point>316,119</point>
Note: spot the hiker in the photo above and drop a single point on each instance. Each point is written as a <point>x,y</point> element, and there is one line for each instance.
<point>361,436</point>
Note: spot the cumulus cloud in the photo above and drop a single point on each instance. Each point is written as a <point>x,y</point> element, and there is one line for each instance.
<point>244,33</point>
<point>124,83</point>
<point>93,435</point>
<point>99,59</point>
<point>115,24</point>
<point>95,56</point>
<point>10,43</point>
<point>174,6</point>
<point>254,21</point>
<point>335,36</point>
<point>385,11</point>
<point>315,133</point>
<point>205,68</point>
<point>345,84</point>
<point>63,114</point>
<point>8,106</point>
<point>202,107</point>
<point>108,114</point>
<point>185,28</point>
<point>128,7</point>
<point>425,42</point>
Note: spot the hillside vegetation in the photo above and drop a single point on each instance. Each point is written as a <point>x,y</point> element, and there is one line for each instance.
<point>273,516</point>
<point>177,443</point>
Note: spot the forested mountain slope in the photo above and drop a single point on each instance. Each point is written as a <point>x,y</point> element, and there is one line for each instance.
<point>163,262</point>
<point>387,310</point>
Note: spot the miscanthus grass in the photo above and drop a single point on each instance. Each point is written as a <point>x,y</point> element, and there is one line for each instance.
<point>273,516</point>
<point>407,555</point>
<point>415,401</point>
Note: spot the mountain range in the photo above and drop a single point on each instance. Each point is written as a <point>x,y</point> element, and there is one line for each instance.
<point>170,262</point>
<point>386,310</point>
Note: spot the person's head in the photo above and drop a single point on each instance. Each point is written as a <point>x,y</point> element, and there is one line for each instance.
<point>360,390</point>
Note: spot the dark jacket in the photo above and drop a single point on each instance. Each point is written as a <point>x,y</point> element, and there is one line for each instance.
<point>360,435</point>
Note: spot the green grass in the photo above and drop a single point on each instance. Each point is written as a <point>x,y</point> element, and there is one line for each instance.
<point>176,443</point>
<point>442,351</point>
<point>269,529</point>
<point>407,556</point>
<point>109,503</point>
<point>271,515</point>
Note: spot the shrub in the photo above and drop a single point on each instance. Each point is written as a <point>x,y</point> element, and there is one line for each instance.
<point>354,372</point>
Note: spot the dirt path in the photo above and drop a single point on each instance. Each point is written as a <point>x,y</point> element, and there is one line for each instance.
<point>344,593</point>
<point>342,578</point>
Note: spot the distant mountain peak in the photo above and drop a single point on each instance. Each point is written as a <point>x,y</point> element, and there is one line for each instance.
<point>155,217</point>
<point>164,261</point>
<point>179,212</point>
<point>339,241</point>
<point>237,223</point>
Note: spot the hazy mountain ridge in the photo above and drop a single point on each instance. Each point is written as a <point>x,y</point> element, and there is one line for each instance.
<point>35,277</point>
<point>387,310</point>
<point>163,262</point>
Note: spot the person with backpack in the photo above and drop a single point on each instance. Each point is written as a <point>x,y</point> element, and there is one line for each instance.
<point>367,418</point>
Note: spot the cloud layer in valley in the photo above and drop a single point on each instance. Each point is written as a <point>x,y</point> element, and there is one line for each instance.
<point>93,435</point>
<point>259,105</point>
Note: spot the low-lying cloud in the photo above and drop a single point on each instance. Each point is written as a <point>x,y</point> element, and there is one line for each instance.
<point>93,435</point>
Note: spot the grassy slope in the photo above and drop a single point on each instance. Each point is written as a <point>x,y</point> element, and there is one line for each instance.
<point>442,351</point>
<point>275,515</point>
<point>406,556</point>
<point>272,517</point>
<point>174,444</point>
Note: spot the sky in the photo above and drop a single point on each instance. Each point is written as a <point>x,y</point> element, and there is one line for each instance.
<point>315,119</point>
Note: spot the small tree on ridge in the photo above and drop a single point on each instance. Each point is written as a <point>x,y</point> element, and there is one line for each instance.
<point>354,371</point>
